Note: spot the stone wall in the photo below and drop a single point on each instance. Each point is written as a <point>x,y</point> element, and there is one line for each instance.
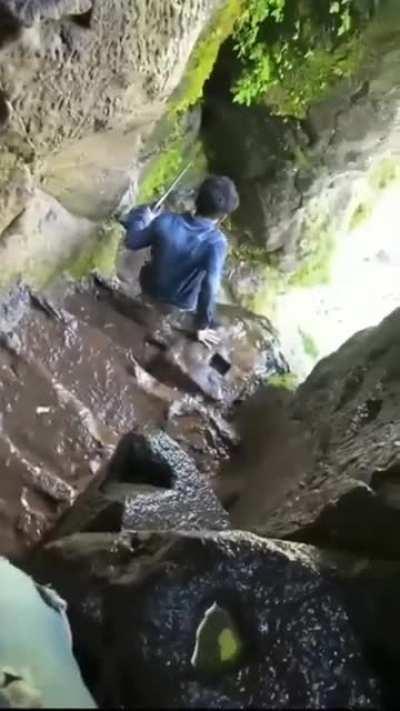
<point>82,84</point>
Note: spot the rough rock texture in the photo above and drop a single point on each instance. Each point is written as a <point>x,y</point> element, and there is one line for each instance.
<point>346,413</point>
<point>46,238</point>
<point>161,489</point>
<point>299,646</point>
<point>81,85</point>
<point>302,182</point>
<point>82,369</point>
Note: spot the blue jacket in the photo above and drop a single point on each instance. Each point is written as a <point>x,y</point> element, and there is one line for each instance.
<point>187,259</point>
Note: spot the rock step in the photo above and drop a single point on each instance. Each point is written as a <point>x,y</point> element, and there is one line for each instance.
<point>86,363</point>
<point>49,452</point>
<point>121,318</point>
<point>163,344</point>
<point>67,395</point>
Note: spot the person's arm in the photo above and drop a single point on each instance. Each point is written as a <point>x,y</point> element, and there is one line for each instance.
<point>210,286</point>
<point>139,228</point>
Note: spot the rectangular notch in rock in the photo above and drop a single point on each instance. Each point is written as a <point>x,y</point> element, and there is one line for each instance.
<point>220,364</point>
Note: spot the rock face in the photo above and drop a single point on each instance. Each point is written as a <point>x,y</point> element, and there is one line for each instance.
<point>298,648</point>
<point>347,492</point>
<point>82,85</point>
<point>303,183</point>
<point>81,373</point>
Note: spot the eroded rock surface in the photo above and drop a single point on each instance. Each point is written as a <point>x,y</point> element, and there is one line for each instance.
<point>81,370</point>
<point>82,84</point>
<point>152,484</point>
<point>298,645</point>
<point>347,490</point>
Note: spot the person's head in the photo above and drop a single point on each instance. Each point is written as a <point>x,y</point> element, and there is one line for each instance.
<point>217,197</point>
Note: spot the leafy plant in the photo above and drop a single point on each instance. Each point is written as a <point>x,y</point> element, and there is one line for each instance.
<point>291,52</point>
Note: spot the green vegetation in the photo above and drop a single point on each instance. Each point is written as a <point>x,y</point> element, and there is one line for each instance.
<point>162,172</point>
<point>166,166</point>
<point>291,53</point>
<point>101,254</point>
<point>288,381</point>
<point>315,252</point>
<point>361,214</point>
<point>317,249</point>
<point>205,55</point>
<point>309,345</point>
<point>385,173</point>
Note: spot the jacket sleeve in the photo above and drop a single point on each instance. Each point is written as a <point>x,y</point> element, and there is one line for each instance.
<point>139,228</point>
<point>211,284</point>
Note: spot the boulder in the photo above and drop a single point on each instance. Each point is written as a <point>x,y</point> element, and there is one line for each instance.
<point>151,484</point>
<point>346,491</point>
<point>272,618</point>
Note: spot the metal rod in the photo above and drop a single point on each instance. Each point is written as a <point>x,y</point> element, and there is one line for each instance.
<point>171,188</point>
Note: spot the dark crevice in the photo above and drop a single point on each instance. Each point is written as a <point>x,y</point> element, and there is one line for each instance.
<point>10,27</point>
<point>4,110</point>
<point>361,523</point>
<point>373,408</point>
<point>135,463</point>
<point>220,364</point>
<point>84,20</point>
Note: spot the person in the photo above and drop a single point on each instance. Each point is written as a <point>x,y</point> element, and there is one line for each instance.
<point>188,252</point>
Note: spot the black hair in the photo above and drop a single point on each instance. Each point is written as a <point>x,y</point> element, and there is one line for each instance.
<point>217,196</point>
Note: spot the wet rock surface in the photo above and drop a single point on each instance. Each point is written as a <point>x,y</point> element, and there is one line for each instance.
<point>152,484</point>
<point>83,377</point>
<point>299,647</point>
<point>347,490</point>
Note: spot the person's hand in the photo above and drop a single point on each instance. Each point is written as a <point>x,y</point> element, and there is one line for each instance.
<point>156,211</point>
<point>208,337</point>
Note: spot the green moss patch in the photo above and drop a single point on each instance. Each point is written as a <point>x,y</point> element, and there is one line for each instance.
<point>292,53</point>
<point>309,345</point>
<point>205,55</point>
<point>101,255</point>
<point>288,381</point>
<point>384,174</point>
<point>317,250</point>
<point>361,214</point>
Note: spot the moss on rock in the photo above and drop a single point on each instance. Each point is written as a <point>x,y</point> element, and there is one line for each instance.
<point>46,241</point>
<point>174,152</point>
<point>205,55</point>
<point>101,255</point>
<point>317,248</point>
<point>309,345</point>
<point>287,381</point>
<point>384,173</point>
